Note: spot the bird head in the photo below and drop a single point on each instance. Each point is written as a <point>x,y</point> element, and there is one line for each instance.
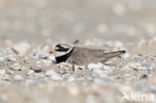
<point>61,50</point>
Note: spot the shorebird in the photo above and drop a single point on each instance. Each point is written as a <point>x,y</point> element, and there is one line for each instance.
<point>82,56</point>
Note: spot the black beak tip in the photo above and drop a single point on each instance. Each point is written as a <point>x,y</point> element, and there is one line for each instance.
<point>50,52</point>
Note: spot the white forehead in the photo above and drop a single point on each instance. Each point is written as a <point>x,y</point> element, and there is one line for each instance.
<point>59,54</point>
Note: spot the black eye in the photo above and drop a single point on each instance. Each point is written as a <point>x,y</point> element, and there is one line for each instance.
<point>61,48</point>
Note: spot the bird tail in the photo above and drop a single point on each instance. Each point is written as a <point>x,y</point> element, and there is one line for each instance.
<point>110,55</point>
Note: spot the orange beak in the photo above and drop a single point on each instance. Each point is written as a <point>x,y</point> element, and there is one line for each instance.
<point>53,51</point>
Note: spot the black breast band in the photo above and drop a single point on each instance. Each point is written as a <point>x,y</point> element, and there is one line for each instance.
<point>64,57</point>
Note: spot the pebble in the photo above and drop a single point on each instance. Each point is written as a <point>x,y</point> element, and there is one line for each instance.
<point>6,77</point>
<point>152,41</point>
<point>36,69</point>
<point>138,88</point>
<point>16,67</point>
<point>93,66</point>
<point>106,67</point>
<point>51,57</point>
<point>11,58</point>
<point>118,44</point>
<point>53,75</point>
<point>136,66</point>
<point>2,50</point>
<point>26,58</point>
<point>142,42</point>
<point>154,80</point>
<point>126,56</point>
<point>2,72</point>
<point>99,72</point>
<point>45,49</point>
<point>29,72</point>
<point>2,59</point>
<point>144,76</point>
<point>49,72</point>
<point>46,62</point>
<point>10,72</point>
<point>18,77</point>
<point>141,61</point>
<point>71,79</point>
<point>22,47</point>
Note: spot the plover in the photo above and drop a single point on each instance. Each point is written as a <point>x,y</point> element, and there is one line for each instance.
<point>82,56</point>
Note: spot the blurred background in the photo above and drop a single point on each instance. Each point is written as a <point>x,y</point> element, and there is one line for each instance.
<point>36,20</point>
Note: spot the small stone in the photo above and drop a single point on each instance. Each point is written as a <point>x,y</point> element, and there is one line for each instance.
<point>6,77</point>
<point>154,80</point>
<point>10,72</point>
<point>36,69</point>
<point>144,76</point>
<point>152,41</point>
<point>142,42</point>
<point>136,66</point>
<point>22,47</point>
<point>25,59</point>
<point>71,79</point>
<point>99,72</point>
<point>15,51</point>
<point>74,91</point>
<point>49,72</point>
<point>16,67</point>
<point>141,61</point>
<point>2,59</point>
<point>45,49</point>
<point>106,67</point>
<point>53,75</point>
<point>2,50</point>
<point>92,65</point>
<point>126,55</point>
<point>153,57</point>
<point>43,56</point>
<point>11,58</point>
<point>52,57</point>
<point>118,44</point>
<point>138,88</point>
<point>29,72</point>
<point>46,62</point>
<point>4,97</point>
<point>2,72</point>
<point>18,77</point>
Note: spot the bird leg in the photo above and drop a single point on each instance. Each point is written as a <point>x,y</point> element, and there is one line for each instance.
<point>73,67</point>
